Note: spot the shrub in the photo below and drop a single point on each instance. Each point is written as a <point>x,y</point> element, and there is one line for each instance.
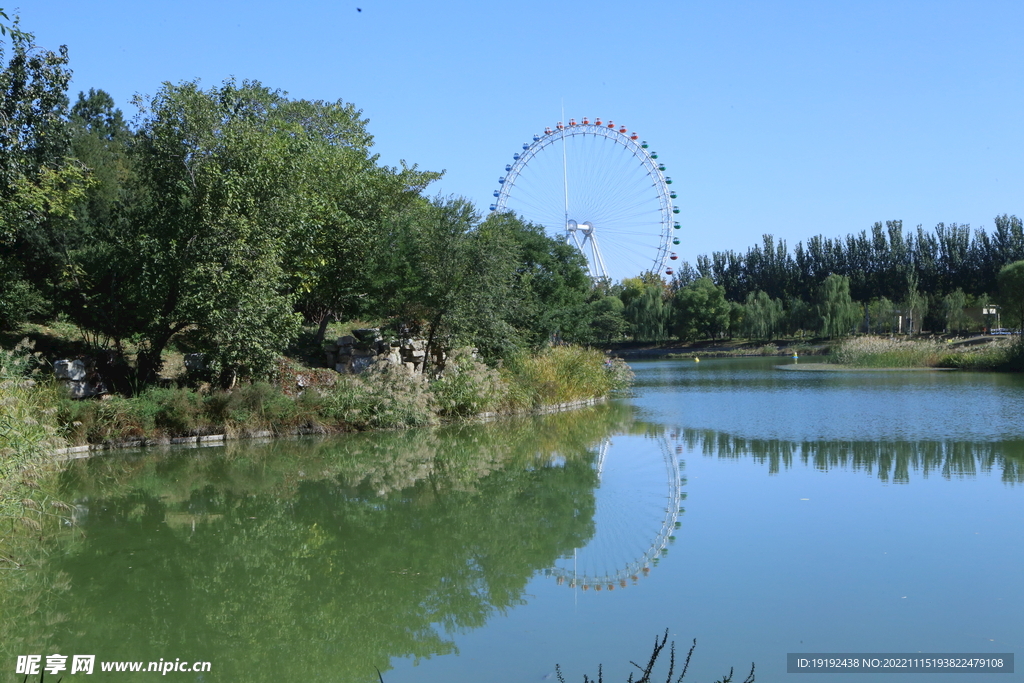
<point>384,396</point>
<point>466,387</point>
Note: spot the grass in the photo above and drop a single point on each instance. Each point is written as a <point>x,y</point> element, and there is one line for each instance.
<point>560,374</point>
<point>748,351</point>
<point>28,431</point>
<point>880,352</point>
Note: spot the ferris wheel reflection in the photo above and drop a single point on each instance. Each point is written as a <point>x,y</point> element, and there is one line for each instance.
<point>638,505</point>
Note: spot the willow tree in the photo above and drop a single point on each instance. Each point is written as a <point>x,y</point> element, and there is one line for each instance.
<point>837,312</point>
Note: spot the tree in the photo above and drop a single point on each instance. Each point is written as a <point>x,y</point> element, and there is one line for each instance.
<point>700,309</point>
<point>90,288</point>
<point>953,305</point>
<point>351,197</point>
<point>837,313</point>
<point>914,305</point>
<point>550,285</point>
<point>450,277</point>
<point>1011,293</point>
<point>762,316</point>
<point>648,310</point>
<point>607,321</point>
<point>39,182</point>
<point>233,180</point>
<point>880,315</point>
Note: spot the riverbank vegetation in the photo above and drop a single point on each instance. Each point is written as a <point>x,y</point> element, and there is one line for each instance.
<point>876,352</point>
<point>384,397</point>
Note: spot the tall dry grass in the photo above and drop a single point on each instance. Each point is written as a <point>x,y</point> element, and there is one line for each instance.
<point>28,432</point>
<point>560,374</point>
<point>880,352</point>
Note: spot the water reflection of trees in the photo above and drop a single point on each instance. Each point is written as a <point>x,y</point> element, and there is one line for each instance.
<point>305,558</point>
<point>887,460</point>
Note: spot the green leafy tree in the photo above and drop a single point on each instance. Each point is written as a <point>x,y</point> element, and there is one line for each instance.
<point>92,277</point>
<point>762,316</point>
<point>880,314</point>
<point>607,320</point>
<point>700,309</point>
<point>39,182</point>
<point>1011,293</point>
<point>798,318</point>
<point>350,196</point>
<point>450,277</point>
<point>649,312</point>
<point>914,306</point>
<point>953,309</point>
<point>227,183</point>
<point>550,284</point>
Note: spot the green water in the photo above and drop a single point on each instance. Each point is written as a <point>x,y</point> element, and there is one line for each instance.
<point>757,510</point>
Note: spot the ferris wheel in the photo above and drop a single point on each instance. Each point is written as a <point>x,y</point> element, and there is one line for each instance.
<point>601,189</point>
<point>637,508</point>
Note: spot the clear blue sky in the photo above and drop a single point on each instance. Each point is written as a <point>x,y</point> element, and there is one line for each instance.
<point>788,117</point>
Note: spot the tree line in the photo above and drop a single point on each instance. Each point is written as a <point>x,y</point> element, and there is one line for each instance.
<point>882,281</point>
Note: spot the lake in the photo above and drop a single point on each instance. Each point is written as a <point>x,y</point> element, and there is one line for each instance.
<point>762,511</point>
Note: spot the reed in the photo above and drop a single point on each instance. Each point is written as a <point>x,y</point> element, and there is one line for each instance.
<point>878,352</point>
<point>28,432</point>
<point>559,374</point>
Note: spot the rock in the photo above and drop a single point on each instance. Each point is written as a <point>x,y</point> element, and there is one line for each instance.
<point>363,353</point>
<point>347,340</point>
<point>69,369</point>
<point>361,363</point>
<point>367,335</point>
<point>82,389</point>
<point>195,362</point>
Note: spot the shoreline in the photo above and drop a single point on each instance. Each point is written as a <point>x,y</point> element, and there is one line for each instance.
<point>266,435</point>
<point>836,367</point>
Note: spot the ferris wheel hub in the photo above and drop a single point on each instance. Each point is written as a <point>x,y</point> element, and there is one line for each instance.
<point>586,227</point>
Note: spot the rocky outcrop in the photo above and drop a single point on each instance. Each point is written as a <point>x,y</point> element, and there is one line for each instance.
<point>79,377</point>
<point>352,354</point>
